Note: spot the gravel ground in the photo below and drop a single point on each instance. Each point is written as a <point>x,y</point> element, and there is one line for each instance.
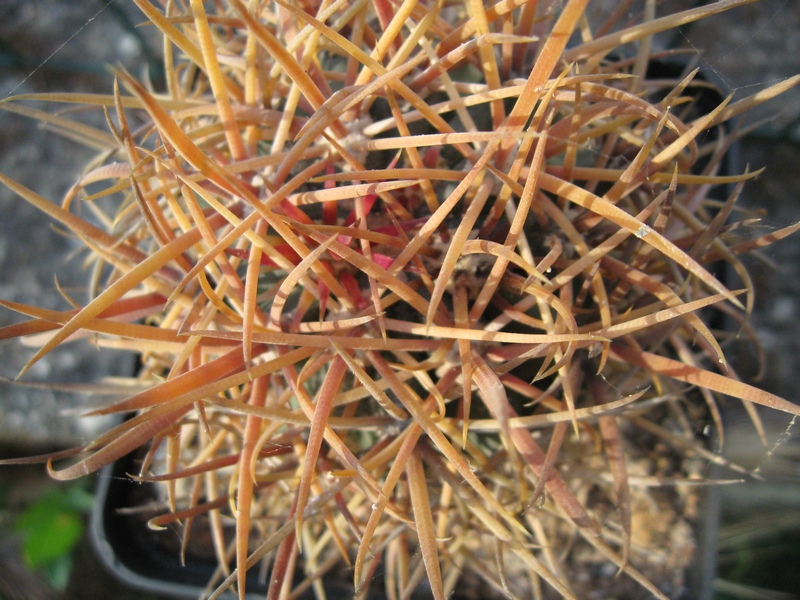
<point>30,32</point>
<point>747,48</point>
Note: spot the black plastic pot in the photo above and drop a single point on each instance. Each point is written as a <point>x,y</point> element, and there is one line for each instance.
<point>134,554</point>
<point>702,572</point>
<point>150,560</point>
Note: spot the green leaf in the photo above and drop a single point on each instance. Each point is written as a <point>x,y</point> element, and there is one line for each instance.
<point>50,528</point>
